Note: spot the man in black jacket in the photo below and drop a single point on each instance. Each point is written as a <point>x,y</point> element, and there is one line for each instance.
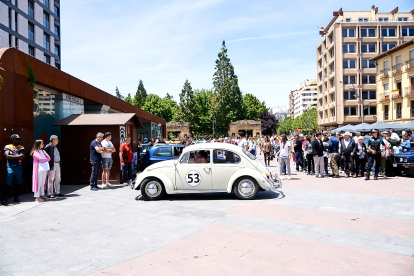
<point>53,175</point>
<point>347,153</point>
<point>318,148</point>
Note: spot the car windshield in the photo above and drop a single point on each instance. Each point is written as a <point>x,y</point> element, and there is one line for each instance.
<point>251,156</point>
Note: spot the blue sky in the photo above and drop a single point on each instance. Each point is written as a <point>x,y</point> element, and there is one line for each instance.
<point>271,44</point>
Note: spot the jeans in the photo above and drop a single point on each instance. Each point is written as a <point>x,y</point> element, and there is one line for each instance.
<point>349,164</point>
<point>311,162</point>
<point>127,172</point>
<point>371,158</point>
<point>284,161</point>
<point>299,159</point>
<point>253,152</point>
<point>96,169</point>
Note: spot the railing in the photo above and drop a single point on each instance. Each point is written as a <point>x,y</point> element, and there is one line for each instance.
<point>399,114</point>
<point>384,73</point>
<point>374,20</point>
<point>396,68</point>
<point>396,95</point>
<point>409,91</point>
<point>409,63</point>
<point>386,116</point>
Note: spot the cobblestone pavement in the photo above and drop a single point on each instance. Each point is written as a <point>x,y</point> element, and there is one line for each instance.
<point>311,226</point>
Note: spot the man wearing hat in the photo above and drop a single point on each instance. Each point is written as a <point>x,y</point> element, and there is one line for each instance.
<point>374,153</point>
<point>347,153</point>
<point>189,141</point>
<point>14,154</point>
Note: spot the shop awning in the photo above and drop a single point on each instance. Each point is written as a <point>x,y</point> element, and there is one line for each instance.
<point>99,119</point>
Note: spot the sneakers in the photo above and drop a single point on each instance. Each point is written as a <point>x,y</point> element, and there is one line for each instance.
<point>289,177</point>
<point>94,188</point>
<point>281,177</point>
<point>109,185</point>
<point>103,186</point>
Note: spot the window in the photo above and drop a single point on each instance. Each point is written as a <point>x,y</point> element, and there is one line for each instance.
<point>399,112</point>
<point>402,18</point>
<point>362,19</point>
<point>332,53</point>
<point>57,11</point>
<point>370,79</point>
<point>350,63</point>
<point>46,59</point>
<point>10,40</point>
<point>46,20</point>
<point>16,43</point>
<point>331,39</point>
<point>369,95</point>
<point>332,82</point>
<point>31,51</point>
<point>15,22</point>
<point>349,80</point>
<point>320,76</point>
<point>10,18</point>
<point>321,115</point>
<point>386,89</point>
<point>388,32</point>
<point>320,63</point>
<point>348,48</point>
<point>348,32</point>
<point>367,32</point>
<point>332,97</point>
<point>320,102</point>
<point>46,3</point>
<point>46,41</point>
<point>386,112</point>
<point>57,50</point>
<point>349,95</point>
<point>386,47</point>
<point>366,63</point>
<point>30,5</point>
<point>347,19</point>
<point>57,65</point>
<point>383,19</point>
<point>225,157</point>
<point>333,112</point>
<point>57,32</point>
<point>163,152</point>
<point>407,31</point>
<point>368,48</point>
<point>31,31</point>
<point>350,110</point>
<point>370,110</point>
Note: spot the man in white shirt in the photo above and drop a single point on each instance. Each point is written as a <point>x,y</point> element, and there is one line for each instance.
<point>394,136</point>
<point>242,140</point>
<point>356,137</point>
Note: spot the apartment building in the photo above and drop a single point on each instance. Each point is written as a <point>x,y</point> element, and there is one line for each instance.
<point>33,27</point>
<point>305,97</point>
<point>395,83</point>
<point>346,75</point>
<point>291,111</point>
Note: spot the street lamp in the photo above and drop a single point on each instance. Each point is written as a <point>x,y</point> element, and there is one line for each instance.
<point>360,100</point>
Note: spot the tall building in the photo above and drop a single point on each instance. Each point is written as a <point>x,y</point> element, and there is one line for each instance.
<point>280,112</point>
<point>33,27</point>
<point>395,83</point>
<point>305,97</point>
<point>291,111</point>
<point>348,43</point>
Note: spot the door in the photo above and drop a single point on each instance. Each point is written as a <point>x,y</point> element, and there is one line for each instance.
<point>193,172</point>
<point>225,164</point>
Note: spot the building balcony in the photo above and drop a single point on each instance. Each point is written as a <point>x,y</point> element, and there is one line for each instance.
<point>396,94</point>
<point>383,98</point>
<point>384,74</point>
<point>399,114</point>
<point>332,104</point>
<point>369,70</point>
<point>368,86</point>
<point>409,65</point>
<point>331,90</point>
<point>409,91</point>
<point>396,70</point>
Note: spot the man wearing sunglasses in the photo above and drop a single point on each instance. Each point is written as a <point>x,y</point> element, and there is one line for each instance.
<point>96,159</point>
<point>189,140</point>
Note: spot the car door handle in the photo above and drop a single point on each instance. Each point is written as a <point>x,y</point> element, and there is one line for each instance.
<point>207,168</point>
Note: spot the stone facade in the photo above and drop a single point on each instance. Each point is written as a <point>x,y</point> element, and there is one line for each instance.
<point>176,126</point>
<point>254,125</point>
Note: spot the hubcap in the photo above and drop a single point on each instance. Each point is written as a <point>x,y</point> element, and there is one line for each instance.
<point>246,188</point>
<point>153,189</point>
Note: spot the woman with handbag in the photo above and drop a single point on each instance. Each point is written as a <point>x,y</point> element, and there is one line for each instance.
<point>360,153</point>
<point>40,168</point>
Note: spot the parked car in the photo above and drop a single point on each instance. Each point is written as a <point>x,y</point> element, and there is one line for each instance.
<point>206,168</point>
<point>404,163</point>
<point>158,153</point>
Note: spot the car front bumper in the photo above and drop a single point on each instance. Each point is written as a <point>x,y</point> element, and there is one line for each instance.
<point>403,168</point>
<point>275,183</point>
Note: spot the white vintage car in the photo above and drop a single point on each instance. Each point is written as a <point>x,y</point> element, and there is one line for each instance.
<point>208,168</point>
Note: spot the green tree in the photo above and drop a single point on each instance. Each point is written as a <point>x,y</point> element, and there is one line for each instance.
<point>140,96</point>
<point>187,110</point>
<point>286,125</point>
<point>201,120</point>
<point>253,107</point>
<point>227,104</point>
<point>128,99</point>
<point>168,109</point>
<point>168,96</point>
<point>161,107</point>
<point>118,94</point>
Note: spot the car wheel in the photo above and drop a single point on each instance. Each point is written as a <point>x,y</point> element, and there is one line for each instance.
<point>246,188</point>
<point>152,189</point>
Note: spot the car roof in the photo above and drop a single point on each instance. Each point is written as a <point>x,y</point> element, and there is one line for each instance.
<point>223,146</point>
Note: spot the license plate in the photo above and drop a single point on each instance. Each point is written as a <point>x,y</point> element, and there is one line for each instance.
<point>394,165</point>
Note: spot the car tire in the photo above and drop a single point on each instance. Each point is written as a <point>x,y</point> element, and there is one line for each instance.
<point>152,189</point>
<point>246,188</point>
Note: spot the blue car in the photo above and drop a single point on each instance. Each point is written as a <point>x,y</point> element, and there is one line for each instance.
<point>160,153</point>
<point>404,163</point>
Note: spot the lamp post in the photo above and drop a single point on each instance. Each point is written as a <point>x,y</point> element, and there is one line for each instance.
<point>360,100</point>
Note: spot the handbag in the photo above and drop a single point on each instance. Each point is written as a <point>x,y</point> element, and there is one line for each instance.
<point>43,167</point>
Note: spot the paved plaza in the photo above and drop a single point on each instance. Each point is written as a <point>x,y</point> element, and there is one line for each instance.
<point>311,226</point>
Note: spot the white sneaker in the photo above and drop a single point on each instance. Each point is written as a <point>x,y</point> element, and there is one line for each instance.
<point>289,177</point>
<point>103,186</point>
<point>109,185</point>
<point>281,177</point>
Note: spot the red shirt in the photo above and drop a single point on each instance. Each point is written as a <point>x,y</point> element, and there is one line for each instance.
<point>126,152</point>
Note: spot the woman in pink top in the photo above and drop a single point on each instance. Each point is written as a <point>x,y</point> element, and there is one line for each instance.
<point>40,168</point>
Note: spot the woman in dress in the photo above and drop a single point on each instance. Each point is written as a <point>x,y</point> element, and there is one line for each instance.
<point>40,168</point>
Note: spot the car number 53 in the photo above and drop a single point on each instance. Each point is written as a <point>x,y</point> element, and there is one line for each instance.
<point>193,178</point>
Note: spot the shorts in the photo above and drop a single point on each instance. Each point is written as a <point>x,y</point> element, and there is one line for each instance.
<point>15,171</point>
<point>106,163</point>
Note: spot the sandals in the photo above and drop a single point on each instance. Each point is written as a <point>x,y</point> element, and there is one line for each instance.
<point>39,200</point>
